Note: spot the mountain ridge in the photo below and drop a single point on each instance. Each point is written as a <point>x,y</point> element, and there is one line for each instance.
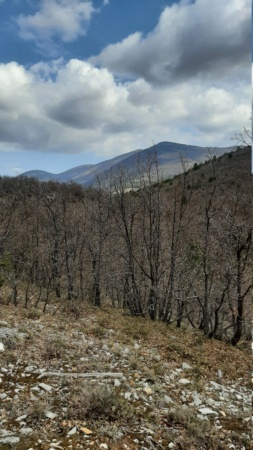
<point>168,158</point>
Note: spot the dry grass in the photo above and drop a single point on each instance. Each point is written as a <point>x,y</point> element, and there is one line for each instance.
<point>54,347</point>
<point>161,350</point>
<point>97,402</point>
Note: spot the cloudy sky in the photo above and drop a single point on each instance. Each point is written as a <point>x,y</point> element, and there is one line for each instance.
<point>83,81</point>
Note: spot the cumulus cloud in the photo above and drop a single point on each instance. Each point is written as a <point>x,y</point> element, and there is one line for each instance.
<point>65,19</point>
<point>75,107</point>
<point>192,39</point>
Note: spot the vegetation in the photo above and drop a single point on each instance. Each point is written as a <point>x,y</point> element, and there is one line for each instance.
<point>177,252</point>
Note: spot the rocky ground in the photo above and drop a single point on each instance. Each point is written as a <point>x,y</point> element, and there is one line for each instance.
<point>109,381</point>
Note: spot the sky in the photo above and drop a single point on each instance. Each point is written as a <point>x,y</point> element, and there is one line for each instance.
<point>82,81</point>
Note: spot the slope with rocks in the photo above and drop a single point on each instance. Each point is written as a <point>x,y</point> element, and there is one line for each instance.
<point>110,381</point>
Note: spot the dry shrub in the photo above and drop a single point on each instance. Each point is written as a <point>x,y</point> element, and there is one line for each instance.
<point>33,314</point>
<point>98,402</point>
<point>38,409</point>
<point>11,342</point>
<point>54,348</point>
<point>196,428</point>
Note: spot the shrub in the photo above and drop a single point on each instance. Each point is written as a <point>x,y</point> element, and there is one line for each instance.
<point>183,416</point>
<point>11,342</point>
<point>54,348</point>
<point>97,402</point>
<point>34,314</point>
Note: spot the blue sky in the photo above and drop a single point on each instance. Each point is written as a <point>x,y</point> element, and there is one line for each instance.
<point>83,81</point>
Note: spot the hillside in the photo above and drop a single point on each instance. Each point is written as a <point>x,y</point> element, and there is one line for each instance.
<point>167,157</point>
<point>125,315</point>
<point>149,386</point>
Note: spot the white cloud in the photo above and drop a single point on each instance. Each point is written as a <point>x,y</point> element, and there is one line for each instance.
<point>66,19</point>
<point>74,107</point>
<point>205,39</point>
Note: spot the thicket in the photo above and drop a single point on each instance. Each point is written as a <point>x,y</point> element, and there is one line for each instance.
<point>177,253</point>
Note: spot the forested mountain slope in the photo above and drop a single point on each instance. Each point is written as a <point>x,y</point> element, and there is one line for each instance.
<point>178,251</point>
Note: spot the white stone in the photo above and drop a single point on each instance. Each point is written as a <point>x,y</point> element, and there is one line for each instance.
<point>1,347</point>
<point>196,399</point>
<point>45,387</point>
<point>126,351</point>
<point>21,418</point>
<point>3,396</point>
<point>9,440</point>
<point>71,432</point>
<point>50,415</point>
<point>127,395</point>
<point>168,400</point>
<point>184,381</point>
<point>207,411</point>
<point>26,430</point>
<point>186,366</point>
<point>103,446</point>
<point>216,386</point>
<point>171,445</point>
<point>117,383</point>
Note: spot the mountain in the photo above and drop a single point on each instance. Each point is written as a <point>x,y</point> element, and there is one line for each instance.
<point>168,157</point>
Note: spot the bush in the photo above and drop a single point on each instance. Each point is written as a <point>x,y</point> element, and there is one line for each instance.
<point>54,348</point>
<point>98,402</point>
<point>34,314</point>
<point>11,342</point>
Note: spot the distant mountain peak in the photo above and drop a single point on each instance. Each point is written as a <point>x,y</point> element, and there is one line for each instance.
<point>168,157</point>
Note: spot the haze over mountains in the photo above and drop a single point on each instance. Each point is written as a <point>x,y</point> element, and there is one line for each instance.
<point>168,157</point>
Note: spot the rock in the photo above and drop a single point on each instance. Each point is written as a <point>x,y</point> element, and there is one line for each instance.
<point>126,351</point>
<point>20,418</point>
<point>45,387</point>
<point>6,331</point>
<point>117,383</point>
<point>216,386</point>
<point>186,366</point>
<point>196,399</point>
<point>207,411</point>
<point>26,430</point>
<point>10,440</point>
<point>54,445</point>
<point>3,396</point>
<point>127,395</point>
<point>148,391</point>
<point>184,381</point>
<point>1,347</point>
<point>73,431</point>
<point>171,445</point>
<point>136,346</point>
<point>86,430</point>
<point>30,369</point>
<point>50,415</point>
<point>103,446</point>
<point>168,400</point>
<point>219,373</point>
